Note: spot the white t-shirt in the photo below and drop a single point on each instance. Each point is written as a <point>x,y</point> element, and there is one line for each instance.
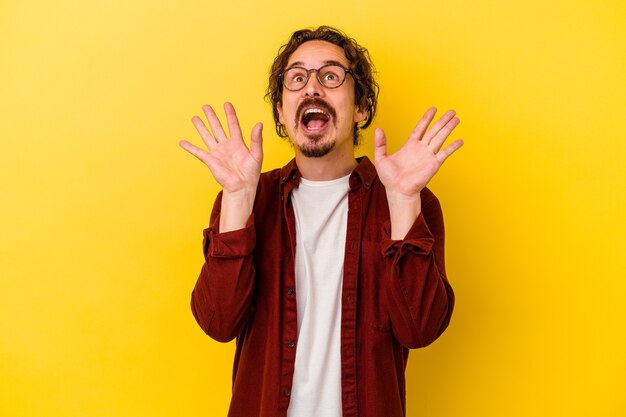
<point>321,212</point>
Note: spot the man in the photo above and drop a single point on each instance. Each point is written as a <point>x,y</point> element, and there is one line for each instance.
<point>329,269</point>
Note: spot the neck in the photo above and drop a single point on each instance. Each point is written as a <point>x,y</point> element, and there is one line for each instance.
<point>328,167</point>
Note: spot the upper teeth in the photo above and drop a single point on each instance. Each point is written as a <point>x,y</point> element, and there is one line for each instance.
<point>313,111</point>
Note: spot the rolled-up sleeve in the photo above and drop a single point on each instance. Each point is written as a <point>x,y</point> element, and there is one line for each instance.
<point>419,298</point>
<point>221,301</point>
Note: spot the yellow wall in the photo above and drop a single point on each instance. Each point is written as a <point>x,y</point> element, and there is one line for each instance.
<point>102,213</point>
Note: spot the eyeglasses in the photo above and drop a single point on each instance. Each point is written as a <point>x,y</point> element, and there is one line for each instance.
<point>329,76</point>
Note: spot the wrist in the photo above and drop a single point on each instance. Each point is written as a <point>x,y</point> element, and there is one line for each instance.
<point>403,211</point>
<point>242,196</point>
<point>404,201</point>
<point>236,209</point>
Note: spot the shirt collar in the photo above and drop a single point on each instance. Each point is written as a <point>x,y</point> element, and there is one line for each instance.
<point>365,172</point>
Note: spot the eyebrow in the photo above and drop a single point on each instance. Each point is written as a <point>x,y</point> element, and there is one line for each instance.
<point>327,62</point>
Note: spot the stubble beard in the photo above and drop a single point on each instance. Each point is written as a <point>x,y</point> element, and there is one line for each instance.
<point>313,149</point>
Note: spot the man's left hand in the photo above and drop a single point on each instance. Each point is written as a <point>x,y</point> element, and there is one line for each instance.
<point>406,172</point>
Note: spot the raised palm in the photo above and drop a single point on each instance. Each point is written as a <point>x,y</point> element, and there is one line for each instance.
<point>235,167</point>
<point>405,172</point>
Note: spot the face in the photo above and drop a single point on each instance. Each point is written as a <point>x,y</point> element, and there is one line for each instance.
<point>319,120</point>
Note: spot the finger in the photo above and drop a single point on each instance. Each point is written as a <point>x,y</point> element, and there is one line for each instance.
<point>204,132</point>
<point>439,124</point>
<point>421,126</point>
<point>443,154</point>
<point>214,122</point>
<point>199,153</point>
<point>256,142</point>
<point>380,145</point>
<point>234,131</point>
<point>443,134</point>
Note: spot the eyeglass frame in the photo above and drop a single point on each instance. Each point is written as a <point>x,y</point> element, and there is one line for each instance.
<point>317,75</point>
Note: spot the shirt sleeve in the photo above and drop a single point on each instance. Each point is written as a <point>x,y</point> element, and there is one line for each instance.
<point>221,301</point>
<point>419,298</point>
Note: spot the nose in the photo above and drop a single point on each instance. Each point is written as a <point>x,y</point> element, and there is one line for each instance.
<point>313,87</point>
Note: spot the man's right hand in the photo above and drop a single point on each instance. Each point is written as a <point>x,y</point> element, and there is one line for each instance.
<point>235,167</point>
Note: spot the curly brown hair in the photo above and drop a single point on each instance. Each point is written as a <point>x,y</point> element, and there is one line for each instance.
<point>361,67</point>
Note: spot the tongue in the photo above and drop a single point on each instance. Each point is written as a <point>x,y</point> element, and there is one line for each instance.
<point>315,124</point>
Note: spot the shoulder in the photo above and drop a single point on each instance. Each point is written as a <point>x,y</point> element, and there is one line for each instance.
<point>428,197</point>
<point>277,176</point>
<point>271,184</point>
<point>268,186</point>
<point>270,177</point>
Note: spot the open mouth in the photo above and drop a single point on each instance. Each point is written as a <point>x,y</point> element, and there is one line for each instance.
<point>314,120</point>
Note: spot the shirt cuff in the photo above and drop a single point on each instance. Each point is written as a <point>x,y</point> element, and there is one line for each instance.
<point>419,239</point>
<point>233,244</point>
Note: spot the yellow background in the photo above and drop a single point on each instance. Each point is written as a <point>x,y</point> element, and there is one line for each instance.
<point>102,212</point>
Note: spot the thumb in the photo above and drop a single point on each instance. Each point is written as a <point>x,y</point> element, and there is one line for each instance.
<point>256,142</point>
<point>380,145</point>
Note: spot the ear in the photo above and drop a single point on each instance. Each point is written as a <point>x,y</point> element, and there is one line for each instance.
<point>360,113</point>
<point>281,118</point>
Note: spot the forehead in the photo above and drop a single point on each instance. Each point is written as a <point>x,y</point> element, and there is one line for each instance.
<point>314,54</point>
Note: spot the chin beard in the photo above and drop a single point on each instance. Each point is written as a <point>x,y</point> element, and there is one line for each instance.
<point>313,149</point>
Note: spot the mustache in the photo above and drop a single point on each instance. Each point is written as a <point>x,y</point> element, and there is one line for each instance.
<point>317,102</point>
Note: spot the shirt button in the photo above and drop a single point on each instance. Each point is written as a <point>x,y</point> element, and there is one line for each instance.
<point>291,344</point>
<point>287,392</point>
<point>289,291</point>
